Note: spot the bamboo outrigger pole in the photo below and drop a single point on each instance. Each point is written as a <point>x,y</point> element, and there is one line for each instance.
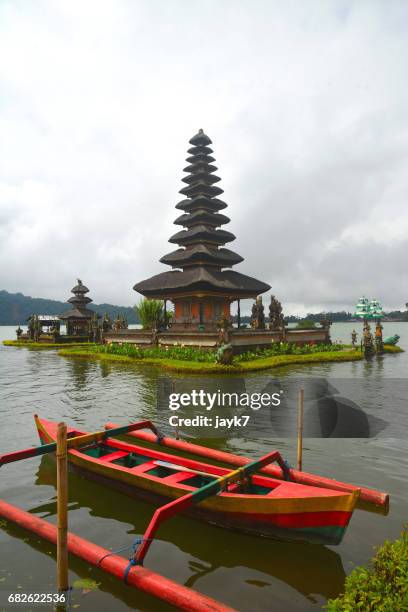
<point>98,436</point>
<point>62,508</point>
<point>301,402</point>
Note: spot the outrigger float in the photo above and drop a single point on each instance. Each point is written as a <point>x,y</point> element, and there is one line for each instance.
<point>141,578</point>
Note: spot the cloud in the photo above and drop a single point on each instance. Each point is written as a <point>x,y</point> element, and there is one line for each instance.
<point>306,105</point>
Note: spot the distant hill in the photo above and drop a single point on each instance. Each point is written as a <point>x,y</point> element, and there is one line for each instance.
<point>343,316</point>
<point>316,317</point>
<point>15,308</point>
<point>335,317</point>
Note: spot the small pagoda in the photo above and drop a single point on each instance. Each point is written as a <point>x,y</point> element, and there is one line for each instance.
<point>202,284</point>
<point>78,318</point>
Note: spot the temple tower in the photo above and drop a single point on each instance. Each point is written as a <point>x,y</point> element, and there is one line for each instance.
<point>78,317</point>
<point>201,286</point>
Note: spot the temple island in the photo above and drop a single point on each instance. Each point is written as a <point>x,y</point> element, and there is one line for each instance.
<point>202,285</point>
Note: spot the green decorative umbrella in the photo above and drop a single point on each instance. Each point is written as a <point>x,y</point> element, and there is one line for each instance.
<point>368,309</point>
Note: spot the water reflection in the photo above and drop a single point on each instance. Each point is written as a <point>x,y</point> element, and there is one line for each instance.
<point>78,372</point>
<point>220,413</point>
<point>105,368</point>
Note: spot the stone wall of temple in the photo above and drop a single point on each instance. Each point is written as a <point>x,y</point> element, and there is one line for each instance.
<point>240,339</point>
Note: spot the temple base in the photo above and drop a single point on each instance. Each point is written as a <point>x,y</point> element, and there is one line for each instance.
<point>241,339</point>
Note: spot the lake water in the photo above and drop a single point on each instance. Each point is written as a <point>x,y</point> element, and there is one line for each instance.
<point>245,572</point>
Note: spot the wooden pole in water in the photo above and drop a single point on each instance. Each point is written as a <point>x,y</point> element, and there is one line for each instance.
<point>301,401</point>
<point>62,508</point>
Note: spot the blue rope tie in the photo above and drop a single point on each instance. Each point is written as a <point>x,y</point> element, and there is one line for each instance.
<point>115,552</point>
<point>132,562</point>
<point>160,437</point>
<point>286,467</point>
<point>69,598</point>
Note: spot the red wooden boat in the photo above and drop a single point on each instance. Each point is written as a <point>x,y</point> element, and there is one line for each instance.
<point>259,505</point>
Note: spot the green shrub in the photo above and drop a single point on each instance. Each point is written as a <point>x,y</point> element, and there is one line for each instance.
<point>383,586</point>
<point>184,353</point>
<point>283,348</point>
<point>150,313</point>
<point>190,353</point>
<point>306,324</point>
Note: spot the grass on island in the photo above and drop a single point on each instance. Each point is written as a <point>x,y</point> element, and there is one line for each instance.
<point>193,359</point>
<point>391,348</point>
<point>383,586</point>
<point>188,359</point>
<point>44,345</point>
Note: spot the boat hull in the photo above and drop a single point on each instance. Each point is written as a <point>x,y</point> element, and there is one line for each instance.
<point>290,511</point>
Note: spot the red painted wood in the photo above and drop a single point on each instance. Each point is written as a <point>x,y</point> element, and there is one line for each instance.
<point>371,496</point>
<point>113,456</point>
<point>161,514</point>
<point>28,453</point>
<point>195,309</point>
<point>139,577</point>
<point>279,488</point>
<point>208,311</point>
<point>182,503</point>
<point>299,520</point>
<point>17,455</point>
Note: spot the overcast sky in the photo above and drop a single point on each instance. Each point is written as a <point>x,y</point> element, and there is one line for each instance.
<point>307,107</point>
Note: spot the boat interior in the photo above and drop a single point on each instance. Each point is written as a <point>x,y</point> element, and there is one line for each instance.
<point>171,473</point>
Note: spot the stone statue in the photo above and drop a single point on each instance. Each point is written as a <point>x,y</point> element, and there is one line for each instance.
<point>392,340</point>
<point>275,314</point>
<point>55,331</point>
<point>94,328</point>
<point>223,336</point>
<point>106,323</point>
<point>326,324</point>
<point>31,327</point>
<point>224,354</point>
<point>367,340</point>
<point>257,315</point>
<point>155,336</point>
<point>379,346</point>
<point>37,328</point>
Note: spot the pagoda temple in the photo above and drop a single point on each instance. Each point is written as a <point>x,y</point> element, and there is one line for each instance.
<point>78,317</point>
<point>202,284</point>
